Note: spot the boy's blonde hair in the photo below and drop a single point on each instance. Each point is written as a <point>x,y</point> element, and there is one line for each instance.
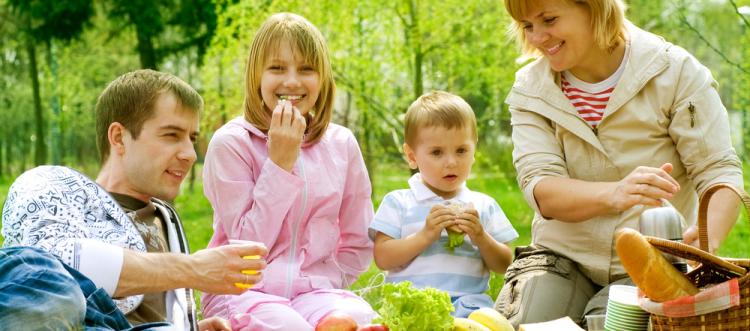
<point>438,108</point>
<point>306,39</point>
<point>607,22</point>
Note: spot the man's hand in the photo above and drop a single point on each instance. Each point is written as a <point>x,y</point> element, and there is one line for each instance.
<point>216,270</point>
<point>285,134</point>
<point>214,324</point>
<point>438,219</point>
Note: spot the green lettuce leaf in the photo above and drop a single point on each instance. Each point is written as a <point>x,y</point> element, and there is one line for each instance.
<point>455,239</point>
<point>403,307</point>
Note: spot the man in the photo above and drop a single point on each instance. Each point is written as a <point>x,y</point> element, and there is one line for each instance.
<point>121,234</point>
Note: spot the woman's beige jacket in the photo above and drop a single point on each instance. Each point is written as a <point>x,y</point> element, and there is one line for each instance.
<point>665,108</point>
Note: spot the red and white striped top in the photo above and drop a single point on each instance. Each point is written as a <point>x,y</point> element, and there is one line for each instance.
<point>590,99</point>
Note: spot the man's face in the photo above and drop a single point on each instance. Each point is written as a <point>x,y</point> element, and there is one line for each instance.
<point>159,159</point>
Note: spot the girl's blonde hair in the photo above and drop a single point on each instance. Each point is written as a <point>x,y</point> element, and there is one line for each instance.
<point>607,22</point>
<point>309,42</point>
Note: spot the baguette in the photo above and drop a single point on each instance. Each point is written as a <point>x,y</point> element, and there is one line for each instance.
<point>648,268</point>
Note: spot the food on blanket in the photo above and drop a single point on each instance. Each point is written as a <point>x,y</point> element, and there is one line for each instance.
<point>465,324</point>
<point>404,307</point>
<point>648,268</point>
<point>455,235</point>
<point>336,321</point>
<point>491,318</point>
<point>373,327</point>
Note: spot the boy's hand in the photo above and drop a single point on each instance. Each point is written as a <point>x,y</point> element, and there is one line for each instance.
<point>468,222</point>
<point>438,219</point>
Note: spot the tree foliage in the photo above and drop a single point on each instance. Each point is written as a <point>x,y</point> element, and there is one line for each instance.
<point>384,55</point>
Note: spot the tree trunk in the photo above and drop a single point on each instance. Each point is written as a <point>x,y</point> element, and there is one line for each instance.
<point>56,142</point>
<point>416,38</point>
<point>24,148</point>
<point>348,109</point>
<point>2,157</point>
<point>222,109</point>
<point>40,151</point>
<point>146,51</point>
<point>367,138</point>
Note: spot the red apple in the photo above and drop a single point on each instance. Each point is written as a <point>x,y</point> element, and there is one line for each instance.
<point>336,322</point>
<point>373,327</point>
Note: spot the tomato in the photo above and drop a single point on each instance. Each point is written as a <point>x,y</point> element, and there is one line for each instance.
<point>373,327</point>
<point>336,322</point>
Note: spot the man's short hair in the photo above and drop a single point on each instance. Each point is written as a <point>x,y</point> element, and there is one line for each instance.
<point>441,109</point>
<point>129,100</point>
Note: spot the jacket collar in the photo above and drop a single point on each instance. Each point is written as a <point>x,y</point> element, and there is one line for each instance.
<point>537,86</point>
<point>423,193</point>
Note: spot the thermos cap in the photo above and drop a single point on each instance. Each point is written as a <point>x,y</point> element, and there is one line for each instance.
<point>662,222</point>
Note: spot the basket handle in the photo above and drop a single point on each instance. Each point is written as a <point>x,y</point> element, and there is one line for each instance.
<point>703,210</point>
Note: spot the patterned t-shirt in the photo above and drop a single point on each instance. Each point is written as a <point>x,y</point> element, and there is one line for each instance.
<point>65,213</point>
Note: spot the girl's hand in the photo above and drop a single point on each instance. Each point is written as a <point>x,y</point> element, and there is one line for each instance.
<point>285,135</point>
<point>468,222</point>
<point>643,186</point>
<point>438,219</point>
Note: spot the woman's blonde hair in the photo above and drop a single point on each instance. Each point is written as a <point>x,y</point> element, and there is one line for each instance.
<point>607,22</point>
<point>309,42</point>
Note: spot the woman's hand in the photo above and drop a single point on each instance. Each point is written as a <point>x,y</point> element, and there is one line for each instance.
<point>285,135</point>
<point>643,186</point>
<point>438,219</point>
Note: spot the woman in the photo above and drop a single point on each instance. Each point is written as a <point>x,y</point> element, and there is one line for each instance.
<point>608,121</point>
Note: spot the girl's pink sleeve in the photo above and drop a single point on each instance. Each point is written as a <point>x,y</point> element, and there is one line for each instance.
<point>354,252</point>
<point>246,208</point>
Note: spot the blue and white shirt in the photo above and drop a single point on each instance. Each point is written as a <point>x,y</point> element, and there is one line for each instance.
<point>403,212</point>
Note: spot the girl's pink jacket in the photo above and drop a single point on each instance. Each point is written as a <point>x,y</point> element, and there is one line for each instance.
<point>313,220</point>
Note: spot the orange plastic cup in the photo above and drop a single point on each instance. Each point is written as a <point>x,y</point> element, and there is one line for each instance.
<point>248,272</point>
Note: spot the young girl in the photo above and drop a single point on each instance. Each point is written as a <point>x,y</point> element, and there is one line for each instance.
<point>285,176</point>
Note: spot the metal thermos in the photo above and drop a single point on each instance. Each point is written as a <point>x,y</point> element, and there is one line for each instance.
<point>666,223</point>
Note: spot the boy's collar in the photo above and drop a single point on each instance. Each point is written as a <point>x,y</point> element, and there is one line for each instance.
<point>423,193</point>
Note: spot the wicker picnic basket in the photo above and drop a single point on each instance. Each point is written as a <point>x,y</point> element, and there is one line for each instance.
<point>712,270</point>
